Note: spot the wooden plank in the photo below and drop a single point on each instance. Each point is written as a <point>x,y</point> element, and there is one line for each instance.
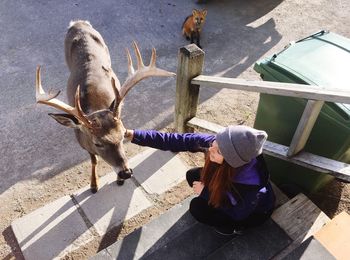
<point>335,236</point>
<point>300,219</point>
<point>306,123</point>
<point>190,64</point>
<point>196,122</point>
<point>335,168</point>
<point>340,95</point>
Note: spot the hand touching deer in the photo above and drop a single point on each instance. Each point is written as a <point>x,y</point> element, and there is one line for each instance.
<point>95,97</point>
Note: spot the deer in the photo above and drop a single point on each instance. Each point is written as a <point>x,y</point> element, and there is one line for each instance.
<point>95,97</point>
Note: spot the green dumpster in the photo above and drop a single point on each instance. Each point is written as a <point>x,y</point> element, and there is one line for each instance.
<point>320,59</point>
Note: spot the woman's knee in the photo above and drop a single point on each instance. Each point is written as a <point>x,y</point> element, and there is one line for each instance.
<point>192,175</point>
<point>199,208</point>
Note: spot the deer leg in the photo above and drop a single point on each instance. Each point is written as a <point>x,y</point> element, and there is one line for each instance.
<point>94,176</point>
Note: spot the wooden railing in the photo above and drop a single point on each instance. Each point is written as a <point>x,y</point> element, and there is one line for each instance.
<point>189,81</point>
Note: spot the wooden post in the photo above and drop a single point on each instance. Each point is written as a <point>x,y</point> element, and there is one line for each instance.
<point>190,65</point>
<point>306,123</point>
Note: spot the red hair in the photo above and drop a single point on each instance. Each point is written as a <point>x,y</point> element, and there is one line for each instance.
<point>218,179</point>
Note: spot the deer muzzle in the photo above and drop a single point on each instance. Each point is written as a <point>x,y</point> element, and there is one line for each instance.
<point>125,174</point>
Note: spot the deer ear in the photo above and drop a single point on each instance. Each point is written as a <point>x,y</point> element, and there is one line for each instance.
<point>111,106</point>
<point>66,120</point>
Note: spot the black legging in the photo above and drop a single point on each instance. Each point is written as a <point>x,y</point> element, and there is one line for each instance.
<point>207,214</point>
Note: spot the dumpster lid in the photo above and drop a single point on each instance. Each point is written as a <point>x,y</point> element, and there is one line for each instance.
<point>320,59</point>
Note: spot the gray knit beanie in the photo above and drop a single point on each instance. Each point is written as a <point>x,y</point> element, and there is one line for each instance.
<point>240,144</point>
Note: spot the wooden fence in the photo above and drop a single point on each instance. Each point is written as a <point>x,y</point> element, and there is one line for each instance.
<point>189,81</point>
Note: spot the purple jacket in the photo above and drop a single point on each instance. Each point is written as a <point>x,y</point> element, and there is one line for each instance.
<point>251,181</point>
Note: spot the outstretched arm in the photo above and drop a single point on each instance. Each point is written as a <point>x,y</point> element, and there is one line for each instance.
<point>175,142</point>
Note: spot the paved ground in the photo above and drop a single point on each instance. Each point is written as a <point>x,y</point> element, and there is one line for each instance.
<point>38,156</point>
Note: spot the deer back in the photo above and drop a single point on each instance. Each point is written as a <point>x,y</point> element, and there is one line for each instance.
<point>89,62</point>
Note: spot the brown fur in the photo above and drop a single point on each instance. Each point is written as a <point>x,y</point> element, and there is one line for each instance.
<point>193,24</point>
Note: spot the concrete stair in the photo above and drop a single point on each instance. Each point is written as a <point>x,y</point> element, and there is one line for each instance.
<point>310,249</point>
<point>70,222</point>
<point>176,235</point>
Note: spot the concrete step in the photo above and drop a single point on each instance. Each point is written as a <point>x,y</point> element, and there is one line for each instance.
<point>152,236</point>
<point>292,223</point>
<point>262,242</point>
<point>176,235</point>
<point>202,242</point>
<point>73,220</point>
<point>310,249</point>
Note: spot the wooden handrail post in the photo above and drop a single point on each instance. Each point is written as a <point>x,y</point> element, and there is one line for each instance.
<point>306,123</point>
<point>190,65</point>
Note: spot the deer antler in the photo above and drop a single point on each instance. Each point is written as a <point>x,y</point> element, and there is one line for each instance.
<point>51,100</point>
<point>142,71</point>
<point>118,99</point>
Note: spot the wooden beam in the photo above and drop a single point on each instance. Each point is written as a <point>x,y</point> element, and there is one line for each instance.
<point>300,218</point>
<point>196,122</point>
<point>190,64</point>
<point>323,93</point>
<point>337,169</point>
<point>306,123</point>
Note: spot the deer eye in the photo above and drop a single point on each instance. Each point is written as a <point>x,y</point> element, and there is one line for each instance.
<point>95,123</point>
<point>98,145</point>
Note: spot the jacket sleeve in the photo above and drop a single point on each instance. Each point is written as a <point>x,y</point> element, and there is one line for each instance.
<point>175,142</point>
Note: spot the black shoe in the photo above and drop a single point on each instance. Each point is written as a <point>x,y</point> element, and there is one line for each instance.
<point>228,231</point>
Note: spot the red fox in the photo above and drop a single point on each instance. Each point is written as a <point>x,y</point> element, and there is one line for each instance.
<point>192,26</point>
